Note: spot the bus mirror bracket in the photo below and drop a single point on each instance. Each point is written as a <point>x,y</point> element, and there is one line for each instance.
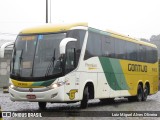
<point>63,44</point>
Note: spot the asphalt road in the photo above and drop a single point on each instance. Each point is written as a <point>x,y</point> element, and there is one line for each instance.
<point>94,108</point>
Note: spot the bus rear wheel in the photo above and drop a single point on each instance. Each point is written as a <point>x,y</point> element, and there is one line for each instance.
<point>145,93</point>
<point>42,105</point>
<point>84,102</point>
<point>139,93</point>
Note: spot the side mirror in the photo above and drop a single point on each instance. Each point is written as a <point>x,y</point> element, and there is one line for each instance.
<point>63,44</point>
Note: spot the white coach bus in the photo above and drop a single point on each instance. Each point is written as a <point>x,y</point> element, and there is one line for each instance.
<point>75,62</point>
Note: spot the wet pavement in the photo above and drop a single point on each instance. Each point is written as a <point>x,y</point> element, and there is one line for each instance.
<point>94,108</point>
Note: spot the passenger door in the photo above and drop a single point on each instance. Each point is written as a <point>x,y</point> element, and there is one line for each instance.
<point>70,64</point>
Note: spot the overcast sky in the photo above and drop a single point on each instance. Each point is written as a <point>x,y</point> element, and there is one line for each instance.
<point>137,18</point>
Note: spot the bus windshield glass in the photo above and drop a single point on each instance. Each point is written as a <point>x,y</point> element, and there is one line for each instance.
<point>37,55</point>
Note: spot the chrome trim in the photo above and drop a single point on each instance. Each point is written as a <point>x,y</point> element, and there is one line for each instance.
<point>34,89</point>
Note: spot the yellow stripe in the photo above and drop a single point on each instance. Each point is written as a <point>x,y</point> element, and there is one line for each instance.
<point>21,84</point>
<point>24,84</point>
<point>51,28</point>
<point>92,68</point>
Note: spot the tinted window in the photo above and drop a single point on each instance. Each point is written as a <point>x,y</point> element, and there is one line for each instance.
<point>79,35</point>
<point>70,57</point>
<point>142,53</point>
<point>108,46</point>
<point>154,55</point>
<point>99,44</point>
<point>94,45</point>
<point>120,49</point>
<point>149,54</point>
<point>131,51</point>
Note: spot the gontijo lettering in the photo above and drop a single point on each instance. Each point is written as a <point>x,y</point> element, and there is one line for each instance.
<point>137,68</point>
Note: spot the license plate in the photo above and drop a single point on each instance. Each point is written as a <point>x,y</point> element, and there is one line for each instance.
<point>31,96</point>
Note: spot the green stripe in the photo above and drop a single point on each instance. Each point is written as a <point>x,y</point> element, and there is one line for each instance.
<point>44,83</point>
<point>114,73</point>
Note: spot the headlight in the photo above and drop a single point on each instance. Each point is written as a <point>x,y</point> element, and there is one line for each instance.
<point>11,86</point>
<point>55,85</point>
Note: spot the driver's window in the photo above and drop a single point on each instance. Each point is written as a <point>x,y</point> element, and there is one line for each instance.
<point>70,58</point>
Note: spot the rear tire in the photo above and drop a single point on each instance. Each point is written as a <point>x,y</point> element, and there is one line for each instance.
<point>42,105</point>
<point>145,93</point>
<point>139,93</point>
<point>84,102</point>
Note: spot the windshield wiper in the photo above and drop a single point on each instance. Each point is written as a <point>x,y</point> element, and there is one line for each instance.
<point>51,64</point>
<point>13,61</point>
<point>20,61</point>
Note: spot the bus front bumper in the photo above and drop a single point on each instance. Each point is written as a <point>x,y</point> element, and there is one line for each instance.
<point>51,95</point>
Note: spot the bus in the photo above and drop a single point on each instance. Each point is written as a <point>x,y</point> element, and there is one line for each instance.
<point>70,63</point>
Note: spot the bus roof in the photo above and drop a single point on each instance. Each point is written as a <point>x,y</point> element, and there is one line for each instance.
<point>50,28</point>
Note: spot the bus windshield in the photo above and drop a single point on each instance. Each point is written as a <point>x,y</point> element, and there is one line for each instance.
<point>37,55</point>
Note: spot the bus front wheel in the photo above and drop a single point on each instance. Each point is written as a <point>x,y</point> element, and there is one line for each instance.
<point>42,105</point>
<point>84,102</point>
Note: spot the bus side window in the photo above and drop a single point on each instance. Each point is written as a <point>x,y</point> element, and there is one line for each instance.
<point>142,53</point>
<point>94,46</point>
<point>149,55</point>
<point>79,35</point>
<point>120,49</point>
<point>108,46</point>
<point>132,53</point>
<point>154,55</point>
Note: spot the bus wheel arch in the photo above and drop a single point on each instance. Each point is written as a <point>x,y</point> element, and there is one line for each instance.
<point>90,90</point>
<point>88,93</point>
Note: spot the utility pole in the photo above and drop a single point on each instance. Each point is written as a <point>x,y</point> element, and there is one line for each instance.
<point>50,11</point>
<point>46,11</point>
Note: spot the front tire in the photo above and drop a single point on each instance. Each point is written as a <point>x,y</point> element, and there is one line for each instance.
<point>42,105</point>
<point>84,102</point>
